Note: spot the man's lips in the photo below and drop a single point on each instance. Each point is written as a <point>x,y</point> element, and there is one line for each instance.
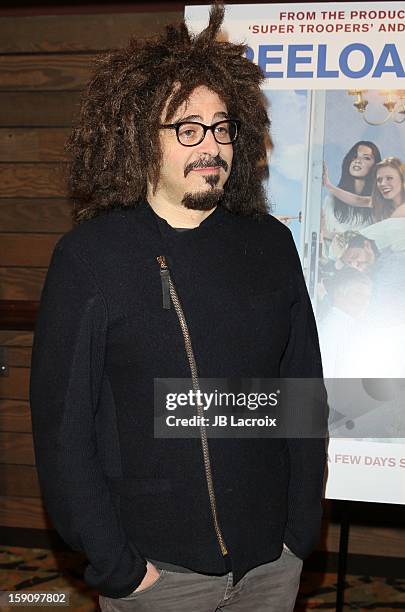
<point>205,167</point>
<point>208,169</point>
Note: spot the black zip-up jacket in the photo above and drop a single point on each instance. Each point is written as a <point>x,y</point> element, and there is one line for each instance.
<point>111,488</point>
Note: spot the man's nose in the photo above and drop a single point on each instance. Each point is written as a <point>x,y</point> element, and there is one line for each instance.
<point>209,144</point>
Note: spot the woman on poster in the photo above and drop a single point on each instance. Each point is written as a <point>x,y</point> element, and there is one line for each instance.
<point>388,196</point>
<point>348,205</point>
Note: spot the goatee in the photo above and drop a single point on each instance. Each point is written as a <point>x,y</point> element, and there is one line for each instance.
<point>202,200</point>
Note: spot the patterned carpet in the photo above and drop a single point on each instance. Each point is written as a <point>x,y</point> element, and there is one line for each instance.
<point>35,569</point>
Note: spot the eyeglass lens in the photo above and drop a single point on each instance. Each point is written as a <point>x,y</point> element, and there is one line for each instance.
<point>225,132</point>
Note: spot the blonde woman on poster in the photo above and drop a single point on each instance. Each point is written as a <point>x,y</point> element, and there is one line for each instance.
<point>388,197</point>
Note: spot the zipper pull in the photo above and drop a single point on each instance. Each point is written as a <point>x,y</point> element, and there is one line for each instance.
<point>165,278</point>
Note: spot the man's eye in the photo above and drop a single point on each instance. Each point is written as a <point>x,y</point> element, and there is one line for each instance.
<point>222,130</point>
<point>187,132</point>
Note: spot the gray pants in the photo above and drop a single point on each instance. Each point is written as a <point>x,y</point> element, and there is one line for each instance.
<point>271,587</point>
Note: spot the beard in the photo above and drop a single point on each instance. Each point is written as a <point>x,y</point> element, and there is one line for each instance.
<point>202,200</point>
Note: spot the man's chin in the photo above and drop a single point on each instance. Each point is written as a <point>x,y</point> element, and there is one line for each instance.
<point>202,200</point>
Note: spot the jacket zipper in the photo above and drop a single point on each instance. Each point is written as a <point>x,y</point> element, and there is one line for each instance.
<point>169,292</point>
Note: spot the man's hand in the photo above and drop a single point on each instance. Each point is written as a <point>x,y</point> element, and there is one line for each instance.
<point>152,574</point>
<point>325,175</point>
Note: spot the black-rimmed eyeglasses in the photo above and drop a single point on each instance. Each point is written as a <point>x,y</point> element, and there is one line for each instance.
<point>191,133</point>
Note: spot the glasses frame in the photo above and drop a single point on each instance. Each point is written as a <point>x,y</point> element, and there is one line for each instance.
<point>177,126</point>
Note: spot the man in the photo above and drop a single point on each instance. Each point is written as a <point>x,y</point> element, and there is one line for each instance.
<point>359,252</point>
<point>174,269</point>
<point>379,251</point>
<point>349,293</point>
<point>370,344</point>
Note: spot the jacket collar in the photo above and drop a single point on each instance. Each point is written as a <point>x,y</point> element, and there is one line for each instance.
<point>145,213</point>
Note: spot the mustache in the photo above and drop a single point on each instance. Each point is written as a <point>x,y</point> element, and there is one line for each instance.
<point>206,163</point>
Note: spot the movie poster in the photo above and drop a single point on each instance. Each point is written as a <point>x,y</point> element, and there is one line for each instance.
<point>334,73</point>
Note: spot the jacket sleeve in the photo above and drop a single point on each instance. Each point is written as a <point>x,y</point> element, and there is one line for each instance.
<point>302,360</point>
<point>66,373</point>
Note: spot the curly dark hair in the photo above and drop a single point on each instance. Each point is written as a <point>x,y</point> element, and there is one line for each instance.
<point>114,146</point>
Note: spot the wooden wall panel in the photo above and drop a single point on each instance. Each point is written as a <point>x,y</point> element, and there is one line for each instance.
<point>19,480</point>
<point>27,249</point>
<point>33,180</point>
<point>15,415</point>
<point>15,338</point>
<point>381,541</point>
<point>35,215</point>
<point>23,512</point>
<point>19,356</point>
<point>38,108</point>
<point>16,448</point>
<point>21,283</point>
<point>79,32</point>
<point>33,145</point>
<point>16,384</point>
<point>50,72</point>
